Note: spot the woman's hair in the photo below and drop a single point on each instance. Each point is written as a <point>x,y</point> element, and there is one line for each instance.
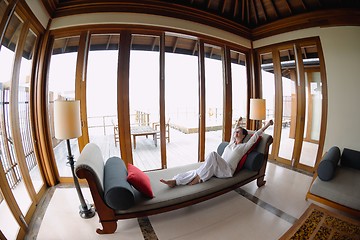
<point>243,130</point>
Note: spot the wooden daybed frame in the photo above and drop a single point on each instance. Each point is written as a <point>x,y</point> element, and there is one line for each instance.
<point>108,217</point>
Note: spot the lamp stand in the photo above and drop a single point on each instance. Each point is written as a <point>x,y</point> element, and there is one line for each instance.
<point>86,211</point>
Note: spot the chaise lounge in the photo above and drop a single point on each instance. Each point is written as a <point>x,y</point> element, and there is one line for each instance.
<point>115,198</point>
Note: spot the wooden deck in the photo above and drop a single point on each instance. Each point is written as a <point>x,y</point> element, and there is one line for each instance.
<point>181,150</point>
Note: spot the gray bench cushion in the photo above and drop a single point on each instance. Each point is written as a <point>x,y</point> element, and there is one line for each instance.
<point>118,193</point>
<point>328,164</point>
<point>343,189</point>
<point>165,196</point>
<point>350,158</point>
<point>253,161</point>
<point>91,159</point>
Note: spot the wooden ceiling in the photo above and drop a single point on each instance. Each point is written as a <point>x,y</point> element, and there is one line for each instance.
<point>253,19</point>
<point>249,18</point>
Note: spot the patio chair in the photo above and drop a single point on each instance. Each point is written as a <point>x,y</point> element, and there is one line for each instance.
<point>155,126</point>
<point>116,132</point>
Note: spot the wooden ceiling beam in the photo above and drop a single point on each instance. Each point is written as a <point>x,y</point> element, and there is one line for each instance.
<point>248,10</point>
<point>65,45</point>
<point>18,28</point>
<point>155,41</point>
<point>304,52</point>
<point>108,42</point>
<point>303,4</point>
<point>195,47</point>
<point>175,44</point>
<point>254,11</point>
<point>243,4</point>
<point>236,9</point>
<point>223,6</point>
<point>286,3</point>
<point>263,9</point>
<point>208,4</point>
<point>275,8</point>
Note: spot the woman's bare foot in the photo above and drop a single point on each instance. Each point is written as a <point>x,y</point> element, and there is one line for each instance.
<point>170,183</point>
<point>196,180</point>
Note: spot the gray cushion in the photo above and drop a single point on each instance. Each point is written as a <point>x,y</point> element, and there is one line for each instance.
<point>118,193</point>
<point>222,147</point>
<point>350,158</point>
<point>254,161</point>
<point>327,166</point>
<point>343,189</point>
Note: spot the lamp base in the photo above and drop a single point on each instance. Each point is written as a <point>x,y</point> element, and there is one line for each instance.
<point>87,212</point>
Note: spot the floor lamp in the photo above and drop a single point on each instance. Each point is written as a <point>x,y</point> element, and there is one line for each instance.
<point>67,126</point>
<point>257,111</point>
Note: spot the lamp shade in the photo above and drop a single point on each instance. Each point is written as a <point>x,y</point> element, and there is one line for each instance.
<point>67,119</point>
<point>257,109</point>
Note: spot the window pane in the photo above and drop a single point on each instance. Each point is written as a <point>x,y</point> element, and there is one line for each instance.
<point>313,94</point>
<point>8,157</point>
<point>268,89</point>
<point>144,101</point>
<point>24,111</point>
<point>8,225</point>
<point>214,82</point>
<point>62,86</point>
<point>182,115</point>
<point>239,87</point>
<point>101,93</point>
<point>289,79</point>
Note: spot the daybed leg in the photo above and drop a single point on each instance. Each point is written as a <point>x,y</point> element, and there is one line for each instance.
<point>260,181</point>
<point>108,227</point>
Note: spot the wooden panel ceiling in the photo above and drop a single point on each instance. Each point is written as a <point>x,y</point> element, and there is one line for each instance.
<point>247,13</point>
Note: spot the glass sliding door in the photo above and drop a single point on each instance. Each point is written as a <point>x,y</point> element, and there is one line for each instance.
<point>20,177</point>
<point>239,87</point>
<point>298,91</point>
<point>313,98</point>
<point>289,103</point>
<point>61,85</point>
<point>181,100</point>
<point>24,112</point>
<point>9,157</point>
<point>214,85</point>
<point>268,89</point>
<point>101,93</point>
<point>144,79</point>
<point>8,225</point>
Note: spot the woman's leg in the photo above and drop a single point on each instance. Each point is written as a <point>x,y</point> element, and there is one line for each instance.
<point>185,178</point>
<point>214,165</point>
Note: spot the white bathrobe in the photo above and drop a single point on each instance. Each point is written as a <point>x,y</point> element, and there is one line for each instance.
<point>222,166</point>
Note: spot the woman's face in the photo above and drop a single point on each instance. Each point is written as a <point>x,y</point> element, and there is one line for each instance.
<point>238,133</point>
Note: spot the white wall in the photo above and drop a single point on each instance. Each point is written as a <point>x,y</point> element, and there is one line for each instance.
<point>147,19</point>
<point>39,11</point>
<point>341,47</point>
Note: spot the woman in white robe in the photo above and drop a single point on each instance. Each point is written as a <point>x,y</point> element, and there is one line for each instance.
<point>222,166</point>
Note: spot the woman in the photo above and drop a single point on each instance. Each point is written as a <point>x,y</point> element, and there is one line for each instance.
<point>222,166</point>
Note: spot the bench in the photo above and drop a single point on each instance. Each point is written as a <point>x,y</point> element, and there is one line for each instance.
<point>336,182</point>
<point>91,166</point>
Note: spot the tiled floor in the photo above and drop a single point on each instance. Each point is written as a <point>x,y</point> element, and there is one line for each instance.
<point>247,213</point>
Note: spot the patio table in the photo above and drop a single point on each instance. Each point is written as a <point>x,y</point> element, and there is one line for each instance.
<point>143,131</point>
